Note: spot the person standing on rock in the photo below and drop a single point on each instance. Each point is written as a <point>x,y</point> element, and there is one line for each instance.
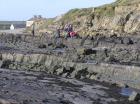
<point>57,34</point>
<point>68,29</point>
<point>33,29</point>
<point>66,33</point>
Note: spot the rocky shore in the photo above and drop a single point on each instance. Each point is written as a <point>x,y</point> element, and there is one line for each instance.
<point>99,66</point>
<point>26,87</point>
<point>113,59</point>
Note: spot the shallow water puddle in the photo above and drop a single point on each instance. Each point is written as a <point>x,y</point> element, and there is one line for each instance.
<point>126,91</point>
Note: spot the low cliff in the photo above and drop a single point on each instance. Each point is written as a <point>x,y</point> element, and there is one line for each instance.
<point>120,16</point>
<point>120,74</point>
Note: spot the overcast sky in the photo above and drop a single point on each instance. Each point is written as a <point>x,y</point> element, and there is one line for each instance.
<point>24,9</point>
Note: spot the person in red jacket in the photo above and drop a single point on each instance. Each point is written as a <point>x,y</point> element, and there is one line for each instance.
<point>73,34</point>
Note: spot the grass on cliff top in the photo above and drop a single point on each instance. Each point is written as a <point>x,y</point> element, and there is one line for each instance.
<point>45,24</point>
<point>75,13</point>
<point>126,2</point>
<point>106,10</point>
<point>109,9</point>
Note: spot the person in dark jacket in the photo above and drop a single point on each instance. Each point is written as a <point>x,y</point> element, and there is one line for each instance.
<point>57,34</point>
<point>33,29</point>
<point>70,28</point>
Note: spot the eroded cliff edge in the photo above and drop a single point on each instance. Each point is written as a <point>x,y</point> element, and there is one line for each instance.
<point>122,16</point>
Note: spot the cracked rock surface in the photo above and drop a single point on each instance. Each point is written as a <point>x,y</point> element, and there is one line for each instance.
<point>22,87</point>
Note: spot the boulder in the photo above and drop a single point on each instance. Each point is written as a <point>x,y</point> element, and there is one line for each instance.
<point>133,24</point>
<point>59,71</point>
<point>2,101</point>
<point>42,46</point>
<point>61,45</point>
<point>1,62</point>
<point>127,41</point>
<point>80,51</point>
<point>50,44</point>
<point>84,51</point>
<point>83,40</point>
<point>135,96</point>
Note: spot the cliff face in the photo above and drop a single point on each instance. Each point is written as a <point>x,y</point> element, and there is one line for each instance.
<point>120,16</point>
<point>125,18</point>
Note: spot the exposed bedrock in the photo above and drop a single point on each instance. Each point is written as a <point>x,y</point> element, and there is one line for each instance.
<point>120,74</point>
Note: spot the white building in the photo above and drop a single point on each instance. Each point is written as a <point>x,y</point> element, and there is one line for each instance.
<point>12,27</point>
<point>93,10</point>
<point>29,23</point>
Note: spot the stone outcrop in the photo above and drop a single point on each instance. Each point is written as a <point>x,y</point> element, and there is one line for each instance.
<point>134,96</point>
<point>111,59</point>
<point>3,101</point>
<point>120,16</point>
<point>127,75</point>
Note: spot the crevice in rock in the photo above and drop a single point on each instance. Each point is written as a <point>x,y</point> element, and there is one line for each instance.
<point>82,74</point>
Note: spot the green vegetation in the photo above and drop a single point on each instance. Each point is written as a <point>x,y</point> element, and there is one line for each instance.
<point>46,23</point>
<point>109,9</point>
<point>50,21</point>
<point>106,10</point>
<point>126,2</point>
<point>75,13</point>
<point>78,17</point>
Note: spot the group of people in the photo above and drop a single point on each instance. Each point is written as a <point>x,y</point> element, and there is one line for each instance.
<point>67,31</point>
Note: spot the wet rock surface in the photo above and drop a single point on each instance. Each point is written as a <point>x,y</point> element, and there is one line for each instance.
<point>134,96</point>
<point>23,87</point>
<point>106,59</point>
